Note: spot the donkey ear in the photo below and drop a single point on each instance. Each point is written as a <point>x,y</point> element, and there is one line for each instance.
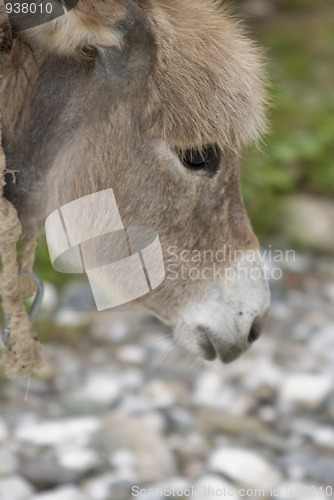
<point>68,26</point>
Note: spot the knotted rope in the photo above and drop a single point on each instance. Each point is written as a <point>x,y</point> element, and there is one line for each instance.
<point>23,352</point>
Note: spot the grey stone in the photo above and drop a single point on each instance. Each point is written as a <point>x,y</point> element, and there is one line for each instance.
<point>321,435</point>
<point>294,490</point>
<point>15,488</point>
<point>8,462</point>
<point>322,342</point>
<point>116,486</point>
<point>78,296</point>
<point>179,419</point>
<point>309,465</point>
<point>167,419</point>
<point>43,470</point>
<point>3,431</point>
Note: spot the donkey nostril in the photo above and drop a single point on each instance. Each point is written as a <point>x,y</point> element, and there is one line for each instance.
<point>255,331</point>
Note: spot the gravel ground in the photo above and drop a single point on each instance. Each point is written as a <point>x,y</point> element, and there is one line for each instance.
<point>119,415</point>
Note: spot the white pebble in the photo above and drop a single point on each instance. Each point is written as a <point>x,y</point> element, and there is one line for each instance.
<point>69,317</point>
<point>15,488</point>
<point>245,468</point>
<point>78,459</point>
<point>208,388</point>
<point>324,436</point>
<point>101,388</point>
<point>51,433</point>
<point>132,354</point>
<point>122,459</point>
<point>305,390</point>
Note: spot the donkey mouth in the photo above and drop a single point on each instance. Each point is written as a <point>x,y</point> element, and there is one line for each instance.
<point>210,351</point>
<point>228,355</point>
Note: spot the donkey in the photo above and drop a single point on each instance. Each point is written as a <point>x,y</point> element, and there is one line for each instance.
<point>154,99</point>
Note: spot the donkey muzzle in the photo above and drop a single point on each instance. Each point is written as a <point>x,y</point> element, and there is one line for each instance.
<point>229,319</point>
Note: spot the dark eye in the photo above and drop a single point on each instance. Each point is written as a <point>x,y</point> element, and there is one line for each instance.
<point>89,52</point>
<point>208,159</point>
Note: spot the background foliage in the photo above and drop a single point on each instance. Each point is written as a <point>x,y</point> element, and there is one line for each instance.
<point>298,153</point>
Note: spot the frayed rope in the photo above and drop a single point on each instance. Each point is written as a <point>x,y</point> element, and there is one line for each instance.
<point>23,352</point>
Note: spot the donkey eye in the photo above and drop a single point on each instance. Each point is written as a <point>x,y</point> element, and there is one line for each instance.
<point>207,160</point>
<point>195,159</point>
<point>89,52</point>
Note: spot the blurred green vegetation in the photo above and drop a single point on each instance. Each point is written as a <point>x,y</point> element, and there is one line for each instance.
<point>298,153</point>
<point>46,272</point>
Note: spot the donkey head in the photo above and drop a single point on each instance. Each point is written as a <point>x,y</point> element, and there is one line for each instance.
<point>155,99</point>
